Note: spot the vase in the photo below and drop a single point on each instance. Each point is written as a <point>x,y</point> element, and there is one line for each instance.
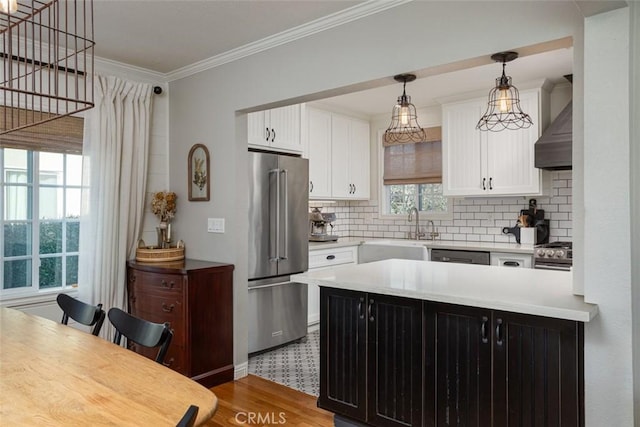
<point>163,233</point>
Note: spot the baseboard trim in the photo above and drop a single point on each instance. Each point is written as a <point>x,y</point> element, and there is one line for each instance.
<point>241,371</point>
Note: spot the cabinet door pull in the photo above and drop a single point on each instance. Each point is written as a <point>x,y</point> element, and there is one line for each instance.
<point>168,309</point>
<point>273,134</point>
<point>484,182</point>
<point>354,189</point>
<point>499,332</point>
<point>330,257</point>
<point>169,363</point>
<point>360,311</point>
<point>490,183</point>
<point>370,311</point>
<point>484,330</point>
<point>310,186</point>
<point>268,134</point>
<point>167,285</point>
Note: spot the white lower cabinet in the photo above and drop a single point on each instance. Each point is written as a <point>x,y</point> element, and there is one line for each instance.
<point>504,259</point>
<point>322,259</point>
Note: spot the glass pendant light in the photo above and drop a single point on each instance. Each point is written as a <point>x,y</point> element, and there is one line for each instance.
<point>503,109</point>
<point>404,125</point>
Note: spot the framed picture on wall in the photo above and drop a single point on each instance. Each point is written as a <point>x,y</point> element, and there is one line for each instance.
<point>198,173</point>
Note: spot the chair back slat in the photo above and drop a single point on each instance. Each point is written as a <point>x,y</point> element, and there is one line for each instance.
<point>81,312</point>
<point>141,331</point>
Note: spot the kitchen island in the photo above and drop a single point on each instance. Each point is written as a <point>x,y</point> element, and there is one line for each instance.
<point>422,343</point>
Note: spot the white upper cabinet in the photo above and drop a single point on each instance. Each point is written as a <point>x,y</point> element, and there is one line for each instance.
<point>278,129</point>
<point>479,163</point>
<point>319,152</point>
<point>338,148</point>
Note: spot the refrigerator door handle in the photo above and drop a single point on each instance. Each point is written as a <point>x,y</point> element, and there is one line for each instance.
<point>285,208</point>
<point>274,218</point>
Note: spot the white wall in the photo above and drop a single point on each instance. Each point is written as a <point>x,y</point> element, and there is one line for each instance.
<point>607,272</point>
<point>203,109</point>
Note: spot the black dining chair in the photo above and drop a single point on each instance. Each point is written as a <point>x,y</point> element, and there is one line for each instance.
<point>81,312</point>
<point>189,418</point>
<point>140,331</point>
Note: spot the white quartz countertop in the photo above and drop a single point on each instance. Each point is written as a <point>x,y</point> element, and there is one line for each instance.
<point>441,244</point>
<point>518,290</point>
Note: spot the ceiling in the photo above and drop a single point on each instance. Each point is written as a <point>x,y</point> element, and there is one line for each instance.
<point>170,35</point>
<point>163,35</point>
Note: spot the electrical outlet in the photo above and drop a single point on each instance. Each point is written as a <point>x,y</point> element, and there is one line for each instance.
<point>215,225</point>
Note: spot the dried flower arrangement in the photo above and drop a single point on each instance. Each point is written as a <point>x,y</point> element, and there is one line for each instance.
<point>163,205</point>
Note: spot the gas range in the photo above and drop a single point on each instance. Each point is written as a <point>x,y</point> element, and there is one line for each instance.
<point>553,256</point>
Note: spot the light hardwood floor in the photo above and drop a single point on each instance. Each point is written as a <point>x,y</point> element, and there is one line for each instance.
<point>254,401</point>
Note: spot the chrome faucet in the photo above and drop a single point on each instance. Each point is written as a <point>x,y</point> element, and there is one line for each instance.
<point>417,234</point>
<point>433,234</point>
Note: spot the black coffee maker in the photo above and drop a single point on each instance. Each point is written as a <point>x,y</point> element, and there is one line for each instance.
<point>532,217</point>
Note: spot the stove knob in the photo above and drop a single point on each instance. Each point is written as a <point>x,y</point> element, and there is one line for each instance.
<point>550,253</point>
<point>559,253</point>
<point>540,253</point>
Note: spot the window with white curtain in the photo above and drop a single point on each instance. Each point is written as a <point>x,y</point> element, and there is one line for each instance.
<point>412,177</point>
<point>40,198</point>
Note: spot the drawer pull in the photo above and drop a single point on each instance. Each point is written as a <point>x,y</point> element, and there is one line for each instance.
<point>169,285</point>
<point>511,264</point>
<point>168,309</point>
<point>330,257</point>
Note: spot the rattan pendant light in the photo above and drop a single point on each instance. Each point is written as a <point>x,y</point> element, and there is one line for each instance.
<point>503,109</point>
<point>47,61</point>
<point>404,125</point>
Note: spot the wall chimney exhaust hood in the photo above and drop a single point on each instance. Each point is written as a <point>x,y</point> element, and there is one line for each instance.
<point>553,149</point>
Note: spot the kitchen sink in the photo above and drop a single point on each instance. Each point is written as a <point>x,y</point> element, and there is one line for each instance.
<point>387,249</point>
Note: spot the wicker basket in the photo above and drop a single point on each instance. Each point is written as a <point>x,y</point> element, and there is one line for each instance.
<point>159,255</point>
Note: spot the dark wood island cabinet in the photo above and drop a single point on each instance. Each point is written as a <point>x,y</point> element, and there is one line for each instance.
<point>397,361</point>
<point>196,298</point>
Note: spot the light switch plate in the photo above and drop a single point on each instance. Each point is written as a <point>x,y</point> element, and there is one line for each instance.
<point>215,225</point>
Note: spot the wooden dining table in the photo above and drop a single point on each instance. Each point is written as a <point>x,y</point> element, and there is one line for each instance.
<point>56,375</point>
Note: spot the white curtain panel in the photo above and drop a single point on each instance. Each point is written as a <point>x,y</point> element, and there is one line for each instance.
<point>115,149</point>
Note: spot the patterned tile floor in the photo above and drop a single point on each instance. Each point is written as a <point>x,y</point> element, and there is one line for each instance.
<point>296,365</point>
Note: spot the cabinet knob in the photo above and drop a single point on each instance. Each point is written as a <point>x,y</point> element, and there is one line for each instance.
<point>168,309</point>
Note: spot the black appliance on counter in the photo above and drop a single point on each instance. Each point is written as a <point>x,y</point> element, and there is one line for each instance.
<point>553,256</point>
<point>532,217</point>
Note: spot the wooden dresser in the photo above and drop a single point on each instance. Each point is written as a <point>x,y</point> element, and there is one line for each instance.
<point>196,298</point>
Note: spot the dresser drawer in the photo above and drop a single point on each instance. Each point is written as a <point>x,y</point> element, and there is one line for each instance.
<point>174,358</point>
<point>161,282</point>
<point>330,257</point>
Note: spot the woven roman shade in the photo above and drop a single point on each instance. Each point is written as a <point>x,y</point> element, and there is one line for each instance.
<point>414,163</point>
<point>60,135</point>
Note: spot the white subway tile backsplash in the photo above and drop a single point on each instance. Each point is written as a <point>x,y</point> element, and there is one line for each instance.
<point>474,219</point>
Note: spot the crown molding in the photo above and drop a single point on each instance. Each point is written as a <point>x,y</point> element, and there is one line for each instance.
<point>108,66</point>
<point>330,21</point>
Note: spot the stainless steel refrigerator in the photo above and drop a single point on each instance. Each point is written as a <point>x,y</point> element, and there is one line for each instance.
<point>278,248</point>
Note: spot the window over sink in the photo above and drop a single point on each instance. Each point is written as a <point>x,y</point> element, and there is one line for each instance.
<point>412,177</point>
